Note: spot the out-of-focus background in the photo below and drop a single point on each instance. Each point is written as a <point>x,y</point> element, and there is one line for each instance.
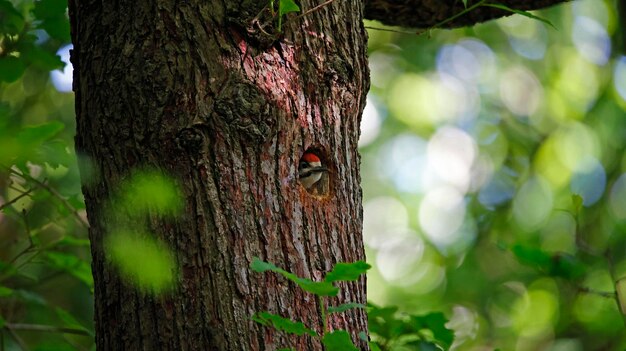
<point>493,170</point>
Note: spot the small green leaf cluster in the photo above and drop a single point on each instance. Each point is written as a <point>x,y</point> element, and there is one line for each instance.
<point>20,48</point>
<point>391,330</point>
<point>337,340</point>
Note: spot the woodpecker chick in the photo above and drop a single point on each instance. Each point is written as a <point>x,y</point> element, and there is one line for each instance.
<point>310,170</point>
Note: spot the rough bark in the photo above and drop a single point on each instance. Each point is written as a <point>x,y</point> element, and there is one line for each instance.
<point>211,94</point>
<point>427,13</point>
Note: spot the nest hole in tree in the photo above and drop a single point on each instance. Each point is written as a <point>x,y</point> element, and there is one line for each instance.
<point>315,172</point>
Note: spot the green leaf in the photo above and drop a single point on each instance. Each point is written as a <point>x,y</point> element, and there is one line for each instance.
<point>70,321</point>
<point>338,340</point>
<point>282,324</point>
<point>382,321</point>
<point>567,266</point>
<point>287,6</point>
<point>520,12</point>
<point>347,271</point>
<point>11,21</point>
<point>435,322</point>
<point>53,19</point>
<point>4,291</point>
<point>344,307</point>
<point>317,288</point>
<point>260,266</point>
<point>531,257</point>
<point>464,3</point>
<point>423,345</point>
<point>374,346</point>
<point>557,264</point>
<point>57,27</point>
<point>72,265</point>
<point>56,153</point>
<point>11,69</point>
<point>49,8</point>
<point>41,58</point>
<point>33,136</point>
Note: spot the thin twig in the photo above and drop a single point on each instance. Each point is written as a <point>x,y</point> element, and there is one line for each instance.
<point>31,245</point>
<point>395,30</point>
<point>45,328</point>
<point>54,193</point>
<point>607,294</point>
<point>609,260</point>
<point>437,25</point>
<point>16,337</point>
<point>310,11</point>
<point>15,199</point>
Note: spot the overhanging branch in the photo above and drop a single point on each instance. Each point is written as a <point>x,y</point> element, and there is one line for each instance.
<point>427,13</point>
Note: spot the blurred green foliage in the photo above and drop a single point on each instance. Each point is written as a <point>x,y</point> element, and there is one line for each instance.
<point>493,169</point>
<point>494,172</point>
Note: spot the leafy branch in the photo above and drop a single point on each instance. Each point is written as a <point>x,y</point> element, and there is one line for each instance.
<point>337,340</point>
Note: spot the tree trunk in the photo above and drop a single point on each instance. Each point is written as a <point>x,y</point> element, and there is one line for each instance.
<point>213,95</point>
<point>224,98</point>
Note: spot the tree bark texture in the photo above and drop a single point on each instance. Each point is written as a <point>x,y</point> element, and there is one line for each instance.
<point>428,13</point>
<point>212,94</point>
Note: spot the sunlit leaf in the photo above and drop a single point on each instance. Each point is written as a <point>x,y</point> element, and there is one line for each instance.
<point>287,6</point>
<point>142,260</point>
<point>347,271</point>
<point>282,324</point>
<point>338,340</point>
